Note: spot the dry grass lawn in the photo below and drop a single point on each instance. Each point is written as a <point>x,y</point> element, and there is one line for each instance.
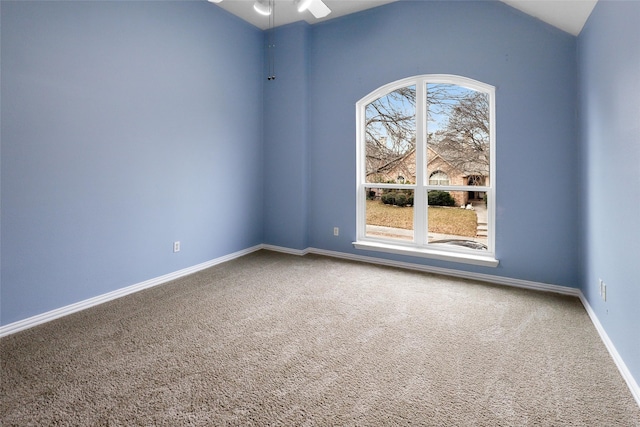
<point>455,221</point>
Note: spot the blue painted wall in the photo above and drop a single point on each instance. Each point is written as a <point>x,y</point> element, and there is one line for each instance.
<point>609,83</point>
<point>125,126</point>
<point>286,138</point>
<point>533,67</point>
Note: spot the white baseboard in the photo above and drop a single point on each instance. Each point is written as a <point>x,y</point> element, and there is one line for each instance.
<point>518,283</point>
<point>30,322</point>
<point>299,252</point>
<point>622,367</point>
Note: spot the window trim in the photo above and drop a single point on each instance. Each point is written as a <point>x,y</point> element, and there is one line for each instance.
<point>420,247</point>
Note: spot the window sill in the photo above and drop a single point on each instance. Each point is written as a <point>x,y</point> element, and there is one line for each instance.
<point>467,258</point>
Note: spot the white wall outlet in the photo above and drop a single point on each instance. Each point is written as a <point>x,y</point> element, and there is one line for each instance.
<point>336,231</point>
<point>600,285</point>
<point>176,246</point>
<point>603,290</point>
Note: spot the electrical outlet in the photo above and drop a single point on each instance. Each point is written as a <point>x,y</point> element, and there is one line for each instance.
<point>603,290</point>
<point>176,246</point>
<point>600,285</point>
<point>336,231</point>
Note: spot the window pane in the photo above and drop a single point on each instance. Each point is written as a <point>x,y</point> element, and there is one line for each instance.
<point>458,126</point>
<point>390,137</point>
<point>438,178</point>
<point>389,213</point>
<point>452,226</point>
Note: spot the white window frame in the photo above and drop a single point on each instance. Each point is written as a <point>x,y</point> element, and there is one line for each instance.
<point>419,246</point>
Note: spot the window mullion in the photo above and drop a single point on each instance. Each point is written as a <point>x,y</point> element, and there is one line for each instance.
<point>419,207</point>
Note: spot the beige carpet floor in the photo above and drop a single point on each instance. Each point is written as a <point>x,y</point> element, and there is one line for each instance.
<point>278,340</point>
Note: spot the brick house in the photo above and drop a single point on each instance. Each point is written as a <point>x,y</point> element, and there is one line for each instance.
<point>441,171</point>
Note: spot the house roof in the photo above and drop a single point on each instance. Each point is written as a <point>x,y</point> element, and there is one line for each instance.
<point>466,163</point>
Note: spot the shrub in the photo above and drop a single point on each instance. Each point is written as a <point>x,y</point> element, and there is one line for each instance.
<point>440,198</point>
<point>397,197</point>
<point>410,198</point>
<point>401,199</point>
<point>388,197</point>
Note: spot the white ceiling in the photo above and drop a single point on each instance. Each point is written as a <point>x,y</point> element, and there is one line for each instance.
<point>286,12</point>
<point>568,15</point>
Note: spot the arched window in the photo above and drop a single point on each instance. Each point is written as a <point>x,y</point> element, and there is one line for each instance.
<point>438,178</point>
<point>413,127</point>
<point>475,180</point>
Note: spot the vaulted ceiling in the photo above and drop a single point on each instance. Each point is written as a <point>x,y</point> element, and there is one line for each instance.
<point>568,15</point>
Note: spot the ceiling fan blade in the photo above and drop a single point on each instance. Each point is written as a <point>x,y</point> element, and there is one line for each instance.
<point>319,9</point>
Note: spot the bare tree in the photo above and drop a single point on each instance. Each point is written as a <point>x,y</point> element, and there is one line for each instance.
<point>464,140</point>
<point>460,118</point>
<point>390,132</point>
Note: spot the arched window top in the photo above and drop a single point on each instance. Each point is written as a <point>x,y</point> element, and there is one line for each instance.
<point>438,178</point>
<point>461,81</point>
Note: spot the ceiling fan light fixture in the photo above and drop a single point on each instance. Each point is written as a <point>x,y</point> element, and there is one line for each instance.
<point>214,1</point>
<point>302,4</point>
<point>318,9</point>
<point>262,8</point>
